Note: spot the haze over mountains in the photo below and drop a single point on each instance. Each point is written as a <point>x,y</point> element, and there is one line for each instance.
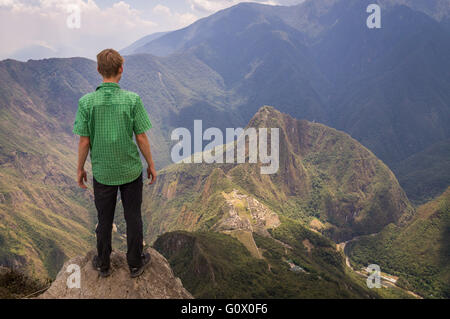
<point>248,43</point>
<point>388,88</point>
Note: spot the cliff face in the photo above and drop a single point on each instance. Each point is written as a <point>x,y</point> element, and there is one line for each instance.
<point>157,281</point>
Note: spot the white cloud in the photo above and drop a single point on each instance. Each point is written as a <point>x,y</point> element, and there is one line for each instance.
<point>178,20</point>
<point>44,21</point>
<point>160,9</point>
<point>6,3</point>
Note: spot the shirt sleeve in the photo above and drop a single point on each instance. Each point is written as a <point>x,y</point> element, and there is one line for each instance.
<point>80,127</point>
<point>141,120</point>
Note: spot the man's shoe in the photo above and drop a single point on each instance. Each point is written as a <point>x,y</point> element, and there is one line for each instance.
<point>136,272</point>
<point>96,264</point>
<point>105,273</point>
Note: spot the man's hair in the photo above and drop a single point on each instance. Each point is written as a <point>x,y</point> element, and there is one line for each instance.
<point>109,61</point>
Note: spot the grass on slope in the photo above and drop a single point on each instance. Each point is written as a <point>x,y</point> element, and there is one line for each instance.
<point>215,265</point>
<point>324,174</point>
<point>425,175</point>
<point>14,284</point>
<point>418,253</point>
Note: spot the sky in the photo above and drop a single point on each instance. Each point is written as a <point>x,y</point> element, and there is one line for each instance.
<point>66,28</point>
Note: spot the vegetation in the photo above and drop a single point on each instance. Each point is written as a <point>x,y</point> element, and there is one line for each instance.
<point>312,63</point>
<point>331,178</point>
<point>215,265</point>
<point>14,284</point>
<point>426,174</point>
<point>418,253</point>
<point>392,96</point>
<point>45,218</point>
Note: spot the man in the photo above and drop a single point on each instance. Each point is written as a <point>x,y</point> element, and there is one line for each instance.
<point>106,120</point>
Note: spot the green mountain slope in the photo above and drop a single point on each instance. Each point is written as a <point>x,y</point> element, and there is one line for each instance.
<point>44,217</point>
<point>426,174</point>
<point>253,235</point>
<point>214,265</point>
<point>418,253</point>
<point>389,91</point>
<point>325,178</point>
<point>383,98</point>
<point>14,285</point>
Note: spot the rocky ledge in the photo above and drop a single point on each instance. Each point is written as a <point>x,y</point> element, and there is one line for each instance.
<point>157,281</point>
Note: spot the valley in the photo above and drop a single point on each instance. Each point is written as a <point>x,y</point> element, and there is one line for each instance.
<point>236,200</point>
<point>387,280</point>
<point>417,253</point>
<point>363,118</point>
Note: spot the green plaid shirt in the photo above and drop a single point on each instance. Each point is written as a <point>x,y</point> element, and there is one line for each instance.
<point>110,116</point>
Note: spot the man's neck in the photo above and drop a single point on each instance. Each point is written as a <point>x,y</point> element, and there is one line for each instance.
<point>114,79</point>
<point>111,80</point>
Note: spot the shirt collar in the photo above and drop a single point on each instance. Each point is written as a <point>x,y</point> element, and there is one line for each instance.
<point>108,85</point>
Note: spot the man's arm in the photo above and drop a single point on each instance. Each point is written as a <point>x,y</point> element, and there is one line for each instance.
<point>83,151</point>
<point>144,146</point>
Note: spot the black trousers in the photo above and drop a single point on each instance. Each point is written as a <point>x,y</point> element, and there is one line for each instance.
<point>105,197</point>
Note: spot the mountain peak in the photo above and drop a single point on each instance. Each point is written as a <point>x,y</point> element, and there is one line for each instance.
<point>157,281</point>
<point>267,116</point>
<point>267,109</point>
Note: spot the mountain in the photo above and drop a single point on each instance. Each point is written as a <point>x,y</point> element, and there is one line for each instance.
<point>418,253</point>
<point>426,174</point>
<point>40,203</point>
<point>230,232</point>
<point>392,84</point>
<point>44,217</point>
<point>325,178</point>
<point>34,52</point>
<point>176,90</point>
<point>15,284</point>
<point>258,56</point>
<point>215,265</point>
<point>388,87</point>
<point>313,18</point>
<point>142,41</point>
<point>157,281</point>
<point>438,9</point>
<point>390,92</point>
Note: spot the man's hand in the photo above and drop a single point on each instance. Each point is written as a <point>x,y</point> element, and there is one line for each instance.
<point>83,151</point>
<point>144,146</point>
<point>151,171</point>
<point>81,178</point>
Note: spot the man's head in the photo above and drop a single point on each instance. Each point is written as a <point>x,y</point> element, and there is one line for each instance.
<point>110,65</point>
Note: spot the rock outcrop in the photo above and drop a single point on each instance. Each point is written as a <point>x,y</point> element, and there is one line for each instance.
<point>157,281</point>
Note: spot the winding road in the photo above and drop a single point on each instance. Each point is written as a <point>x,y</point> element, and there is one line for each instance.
<point>386,281</point>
